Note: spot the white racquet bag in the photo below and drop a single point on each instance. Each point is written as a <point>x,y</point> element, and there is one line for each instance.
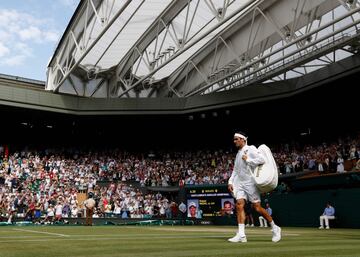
<point>266,175</point>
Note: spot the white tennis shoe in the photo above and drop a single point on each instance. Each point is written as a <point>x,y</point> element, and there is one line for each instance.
<point>276,234</point>
<point>238,238</point>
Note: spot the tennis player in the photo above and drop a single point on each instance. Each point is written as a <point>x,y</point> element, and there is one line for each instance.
<point>243,187</point>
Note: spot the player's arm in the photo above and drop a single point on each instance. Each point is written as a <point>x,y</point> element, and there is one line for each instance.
<point>230,182</point>
<point>254,157</point>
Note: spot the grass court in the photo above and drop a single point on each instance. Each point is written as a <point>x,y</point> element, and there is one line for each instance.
<point>174,241</point>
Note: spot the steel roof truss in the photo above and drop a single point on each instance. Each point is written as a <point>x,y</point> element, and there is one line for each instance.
<point>302,57</point>
<point>184,47</point>
<point>62,62</point>
<point>143,42</point>
<point>256,61</point>
<point>102,21</point>
<point>97,87</point>
<point>118,33</point>
<point>349,5</point>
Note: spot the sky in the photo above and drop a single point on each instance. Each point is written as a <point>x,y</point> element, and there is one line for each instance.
<point>29,33</point>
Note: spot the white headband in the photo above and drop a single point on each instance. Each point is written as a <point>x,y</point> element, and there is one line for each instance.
<point>240,135</point>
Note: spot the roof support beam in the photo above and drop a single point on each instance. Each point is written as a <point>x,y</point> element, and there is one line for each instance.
<point>142,43</point>
<point>190,44</point>
<point>254,37</point>
<point>55,86</point>
<point>329,44</point>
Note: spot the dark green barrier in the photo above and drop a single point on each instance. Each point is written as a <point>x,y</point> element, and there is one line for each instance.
<point>304,208</point>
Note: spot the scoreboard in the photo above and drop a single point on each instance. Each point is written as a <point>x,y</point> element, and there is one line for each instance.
<point>208,201</point>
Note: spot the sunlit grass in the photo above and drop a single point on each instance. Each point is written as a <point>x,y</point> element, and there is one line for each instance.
<point>172,241</point>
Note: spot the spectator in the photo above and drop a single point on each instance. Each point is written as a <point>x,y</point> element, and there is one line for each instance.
<point>58,211</point>
<point>168,211</point>
<point>50,214</point>
<point>174,209</point>
<point>74,211</point>
<point>262,220</point>
<point>182,209</point>
<point>328,214</point>
<point>340,164</point>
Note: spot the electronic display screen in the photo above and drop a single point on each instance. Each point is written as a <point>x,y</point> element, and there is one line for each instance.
<point>206,202</point>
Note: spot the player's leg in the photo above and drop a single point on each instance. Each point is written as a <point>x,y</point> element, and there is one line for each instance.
<point>240,215</point>
<point>254,197</point>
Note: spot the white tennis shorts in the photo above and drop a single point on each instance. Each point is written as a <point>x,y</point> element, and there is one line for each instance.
<point>249,192</point>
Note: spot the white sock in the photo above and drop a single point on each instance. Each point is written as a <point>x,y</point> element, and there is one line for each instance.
<point>272,224</point>
<point>242,229</point>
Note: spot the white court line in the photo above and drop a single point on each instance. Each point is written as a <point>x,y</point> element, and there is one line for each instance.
<point>124,237</point>
<point>220,234</point>
<point>104,238</point>
<point>40,232</point>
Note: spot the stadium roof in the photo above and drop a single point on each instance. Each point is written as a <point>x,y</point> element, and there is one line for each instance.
<point>182,48</point>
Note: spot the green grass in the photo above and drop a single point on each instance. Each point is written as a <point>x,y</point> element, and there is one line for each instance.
<point>172,241</point>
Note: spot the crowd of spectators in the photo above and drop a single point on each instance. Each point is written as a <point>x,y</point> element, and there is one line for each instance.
<point>329,157</point>
<point>50,200</point>
<point>43,185</point>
